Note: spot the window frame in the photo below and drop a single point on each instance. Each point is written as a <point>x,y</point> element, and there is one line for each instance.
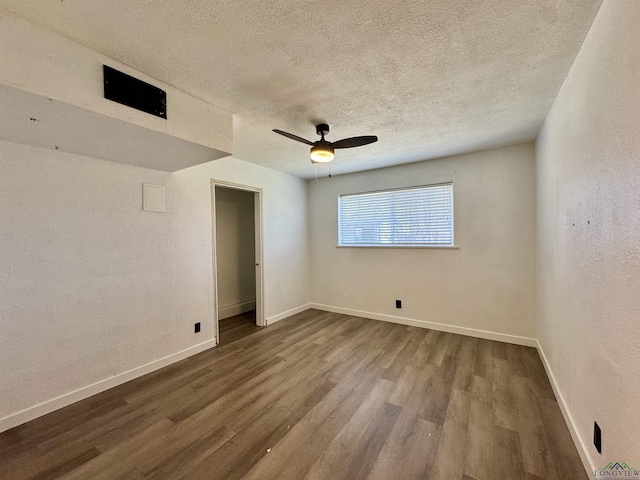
<point>451,245</point>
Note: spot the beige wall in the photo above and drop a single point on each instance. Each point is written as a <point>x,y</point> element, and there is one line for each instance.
<point>94,291</point>
<point>235,246</point>
<point>488,284</point>
<point>588,169</point>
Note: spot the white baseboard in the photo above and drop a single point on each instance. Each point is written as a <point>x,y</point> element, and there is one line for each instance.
<point>470,332</point>
<point>568,419</point>
<point>62,401</point>
<point>288,313</point>
<point>237,309</point>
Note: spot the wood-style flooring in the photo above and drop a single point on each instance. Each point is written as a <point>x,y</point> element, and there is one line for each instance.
<point>237,327</point>
<point>315,396</point>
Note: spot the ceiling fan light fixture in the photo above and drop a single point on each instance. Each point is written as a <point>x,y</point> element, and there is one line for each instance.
<point>322,152</point>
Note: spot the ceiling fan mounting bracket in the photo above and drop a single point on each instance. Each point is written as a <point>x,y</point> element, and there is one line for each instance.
<point>322,129</point>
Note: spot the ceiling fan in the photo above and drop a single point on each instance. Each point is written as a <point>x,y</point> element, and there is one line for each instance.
<point>322,150</point>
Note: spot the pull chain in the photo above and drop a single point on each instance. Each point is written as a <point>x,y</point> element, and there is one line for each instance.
<point>316,174</point>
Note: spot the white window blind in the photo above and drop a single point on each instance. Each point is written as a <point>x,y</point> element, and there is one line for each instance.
<point>416,216</point>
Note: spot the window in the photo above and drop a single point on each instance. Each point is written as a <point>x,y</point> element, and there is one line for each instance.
<point>416,216</point>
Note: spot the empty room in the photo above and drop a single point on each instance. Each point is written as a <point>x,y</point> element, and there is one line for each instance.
<point>320,240</point>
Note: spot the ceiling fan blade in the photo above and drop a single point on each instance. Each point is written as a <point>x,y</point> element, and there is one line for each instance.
<point>354,141</point>
<point>293,137</point>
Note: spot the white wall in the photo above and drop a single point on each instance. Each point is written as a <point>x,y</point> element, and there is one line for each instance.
<point>588,170</point>
<point>235,240</point>
<point>92,287</point>
<point>85,275</point>
<point>487,284</point>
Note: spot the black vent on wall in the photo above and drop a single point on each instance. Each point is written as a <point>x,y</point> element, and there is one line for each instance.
<point>134,93</point>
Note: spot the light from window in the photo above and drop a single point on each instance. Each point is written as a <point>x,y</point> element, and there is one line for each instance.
<point>413,217</point>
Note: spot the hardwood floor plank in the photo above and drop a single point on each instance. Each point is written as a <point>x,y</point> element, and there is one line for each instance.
<point>253,398</point>
<point>515,356</point>
<point>321,396</point>
<point>531,476</point>
<point>237,327</point>
<point>121,459</point>
<point>395,343</point>
<point>565,456</point>
<point>465,367</point>
<point>315,431</point>
<point>55,471</point>
<point>479,453</point>
<point>439,348</point>
<point>409,451</point>
<point>536,456</point>
<point>421,357</point>
<point>483,359</point>
<point>134,474</point>
<point>34,464</point>
<point>123,419</point>
<point>373,438</point>
<point>403,358</point>
<point>455,343</point>
<point>236,457</point>
<point>206,394</point>
<point>438,392</point>
<point>412,443</point>
<point>405,385</point>
<point>537,374</point>
<point>449,462</point>
<point>505,411</point>
<point>509,462</point>
<point>175,463</point>
<point>350,452</point>
<point>499,350</point>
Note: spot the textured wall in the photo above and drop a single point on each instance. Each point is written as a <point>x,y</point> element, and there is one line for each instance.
<point>588,168</point>
<point>85,275</point>
<point>235,242</point>
<point>91,286</point>
<point>488,284</point>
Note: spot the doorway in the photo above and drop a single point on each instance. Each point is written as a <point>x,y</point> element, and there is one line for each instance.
<point>237,254</point>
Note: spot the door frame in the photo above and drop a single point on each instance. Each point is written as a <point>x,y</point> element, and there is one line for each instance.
<point>257,214</point>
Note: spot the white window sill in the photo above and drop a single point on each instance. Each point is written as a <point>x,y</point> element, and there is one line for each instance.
<point>446,247</point>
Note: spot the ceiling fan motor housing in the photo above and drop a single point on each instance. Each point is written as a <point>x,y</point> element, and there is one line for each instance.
<point>322,129</point>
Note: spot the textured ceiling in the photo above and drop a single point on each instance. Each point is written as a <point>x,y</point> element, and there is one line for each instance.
<point>430,78</point>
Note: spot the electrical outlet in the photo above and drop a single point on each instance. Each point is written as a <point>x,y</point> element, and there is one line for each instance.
<point>597,437</point>
<point>197,327</point>
<point>398,303</point>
